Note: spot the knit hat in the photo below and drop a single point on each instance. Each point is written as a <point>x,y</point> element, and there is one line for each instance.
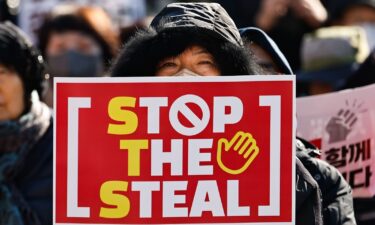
<point>17,52</point>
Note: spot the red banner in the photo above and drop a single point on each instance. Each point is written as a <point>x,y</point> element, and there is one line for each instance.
<point>174,150</point>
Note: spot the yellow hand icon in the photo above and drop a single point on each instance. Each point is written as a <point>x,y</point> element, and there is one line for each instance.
<point>244,144</point>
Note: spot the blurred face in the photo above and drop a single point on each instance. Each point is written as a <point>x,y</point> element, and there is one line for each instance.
<point>316,88</point>
<point>11,94</point>
<point>195,58</point>
<point>74,54</point>
<point>357,15</point>
<point>72,40</point>
<point>264,60</point>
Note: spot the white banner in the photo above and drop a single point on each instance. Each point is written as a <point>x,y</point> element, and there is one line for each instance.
<point>342,125</point>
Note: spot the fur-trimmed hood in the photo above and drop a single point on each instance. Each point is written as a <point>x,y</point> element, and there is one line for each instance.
<point>210,16</point>
<point>179,26</point>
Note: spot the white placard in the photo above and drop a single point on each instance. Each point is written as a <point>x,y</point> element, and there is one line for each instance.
<point>342,125</point>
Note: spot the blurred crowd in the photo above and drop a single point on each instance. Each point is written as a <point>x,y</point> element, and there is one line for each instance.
<point>329,45</point>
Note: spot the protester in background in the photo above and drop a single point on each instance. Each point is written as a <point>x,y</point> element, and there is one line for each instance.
<point>329,56</point>
<point>359,13</point>
<point>285,21</point>
<point>329,180</point>
<point>312,12</point>
<point>186,40</point>
<point>355,13</point>
<point>352,12</point>
<point>26,133</point>
<point>365,75</point>
<point>77,41</point>
<point>266,53</point>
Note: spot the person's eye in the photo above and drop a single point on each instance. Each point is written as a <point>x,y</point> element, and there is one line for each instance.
<point>168,64</point>
<point>4,71</point>
<point>205,62</point>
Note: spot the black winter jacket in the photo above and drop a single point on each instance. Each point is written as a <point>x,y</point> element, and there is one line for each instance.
<point>26,190</point>
<point>335,193</point>
<point>34,179</point>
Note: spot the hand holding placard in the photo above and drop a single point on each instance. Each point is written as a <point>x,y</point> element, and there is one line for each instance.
<point>244,144</point>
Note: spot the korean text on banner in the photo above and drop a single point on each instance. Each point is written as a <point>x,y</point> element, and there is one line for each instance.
<point>342,125</point>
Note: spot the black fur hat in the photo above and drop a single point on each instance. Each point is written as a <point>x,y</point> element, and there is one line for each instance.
<point>194,26</point>
<point>17,52</point>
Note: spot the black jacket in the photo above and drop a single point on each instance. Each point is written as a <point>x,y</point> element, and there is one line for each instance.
<point>26,187</point>
<point>336,194</point>
<point>308,197</point>
<point>34,180</point>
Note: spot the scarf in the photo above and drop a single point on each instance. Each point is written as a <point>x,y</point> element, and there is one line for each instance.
<point>17,138</point>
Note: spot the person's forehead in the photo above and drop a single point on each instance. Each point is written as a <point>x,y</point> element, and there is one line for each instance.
<point>194,50</point>
<point>71,34</point>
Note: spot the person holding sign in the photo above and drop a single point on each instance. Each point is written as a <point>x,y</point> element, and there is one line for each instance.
<point>26,133</point>
<point>200,39</point>
<point>329,179</point>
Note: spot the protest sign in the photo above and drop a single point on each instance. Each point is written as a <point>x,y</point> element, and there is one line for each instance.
<point>177,150</point>
<point>342,125</point>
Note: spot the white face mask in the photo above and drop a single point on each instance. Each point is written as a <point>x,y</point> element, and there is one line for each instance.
<point>186,73</point>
